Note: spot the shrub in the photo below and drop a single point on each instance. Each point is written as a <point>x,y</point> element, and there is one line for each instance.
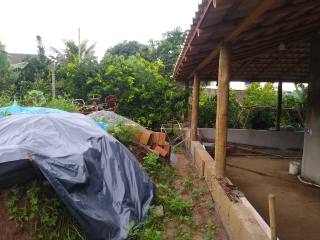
<point>126,134</point>
<point>35,98</point>
<point>62,104</point>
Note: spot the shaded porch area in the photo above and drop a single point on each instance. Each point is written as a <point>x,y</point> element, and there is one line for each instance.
<point>297,205</point>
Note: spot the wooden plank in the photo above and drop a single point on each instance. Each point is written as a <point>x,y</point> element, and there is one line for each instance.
<point>222,110</point>
<point>248,21</point>
<point>195,107</point>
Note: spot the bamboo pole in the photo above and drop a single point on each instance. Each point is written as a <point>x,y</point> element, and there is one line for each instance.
<point>195,107</point>
<point>272,216</point>
<point>222,111</point>
<point>279,107</point>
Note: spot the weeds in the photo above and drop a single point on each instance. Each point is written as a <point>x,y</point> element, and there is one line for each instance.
<point>42,213</point>
<point>126,134</point>
<point>187,185</point>
<point>209,206</point>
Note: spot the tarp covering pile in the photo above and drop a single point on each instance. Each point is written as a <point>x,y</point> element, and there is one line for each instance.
<point>97,178</point>
<point>16,109</point>
<point>112,118</point>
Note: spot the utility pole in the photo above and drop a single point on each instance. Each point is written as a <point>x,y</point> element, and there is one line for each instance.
<point>79,45</point>
<point>53,83</point>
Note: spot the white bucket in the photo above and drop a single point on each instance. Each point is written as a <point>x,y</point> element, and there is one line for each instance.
<point>294,168</point>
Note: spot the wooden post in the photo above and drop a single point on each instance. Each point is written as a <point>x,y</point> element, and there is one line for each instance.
<point>195,107</point>
<point>272,216</point>
<point>222,111</point>
<point>279,107</point>
<point>186,101</point>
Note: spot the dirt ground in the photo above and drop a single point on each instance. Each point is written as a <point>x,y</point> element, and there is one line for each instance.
<point>9,230</point>
<point>297,205</point>
<point>200,213</point>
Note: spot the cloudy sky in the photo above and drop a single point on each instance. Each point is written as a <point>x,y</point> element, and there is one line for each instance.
<point>106,22</point>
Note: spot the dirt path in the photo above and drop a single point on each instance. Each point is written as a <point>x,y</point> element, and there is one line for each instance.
<point>9,230</point>
<point>194,188</point>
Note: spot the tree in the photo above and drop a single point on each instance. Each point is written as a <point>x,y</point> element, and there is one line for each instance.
<point>71,52</point>
<point>4,61</point>
<point>143,93</point>
<point>168,49</point>
<point>130,48</point>
<point>73,73</point>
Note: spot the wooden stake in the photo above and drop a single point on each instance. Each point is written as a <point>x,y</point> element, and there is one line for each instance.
<point>222,111</point>
<point>195,108</point>
<point>279,107</point>
<point>272,216</point>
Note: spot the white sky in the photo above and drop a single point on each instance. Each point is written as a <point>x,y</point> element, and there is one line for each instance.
<point>106,22</point>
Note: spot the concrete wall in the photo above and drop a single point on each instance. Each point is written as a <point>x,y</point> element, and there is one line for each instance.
<point>311,153</point>
<point>240,219</point>
<point>274,139</point>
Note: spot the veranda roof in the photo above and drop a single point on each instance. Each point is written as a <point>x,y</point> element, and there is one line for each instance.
<point>270,40</point>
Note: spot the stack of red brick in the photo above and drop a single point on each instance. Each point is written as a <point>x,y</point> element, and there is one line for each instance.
<point>156,141</point>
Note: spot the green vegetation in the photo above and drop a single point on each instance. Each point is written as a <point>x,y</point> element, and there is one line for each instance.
<point>255,107</point>
<point>42,213</point>
<point>139,75</point>
<point>173,206</point>
<point>124,133</point>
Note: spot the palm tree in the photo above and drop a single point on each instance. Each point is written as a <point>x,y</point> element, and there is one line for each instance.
<point>71,52</point>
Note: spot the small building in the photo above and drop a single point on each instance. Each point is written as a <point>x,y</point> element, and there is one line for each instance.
<point>257,41</point>
<point>19,59</point>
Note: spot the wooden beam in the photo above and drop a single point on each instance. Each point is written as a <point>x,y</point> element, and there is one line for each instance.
<point>218,28</point>
<point>195,107</point>
<point>222,110</point>
<point>194,34</point>
<point>278,12</point>
<point>279,106</point>
<point>247,21</point>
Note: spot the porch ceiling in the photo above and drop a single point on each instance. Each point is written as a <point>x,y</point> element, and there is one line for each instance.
<point>255,29</point>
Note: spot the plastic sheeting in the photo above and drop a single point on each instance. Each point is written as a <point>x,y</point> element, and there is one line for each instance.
<point>111,118</point>
<point>16,109</point>
<point>97,178</point>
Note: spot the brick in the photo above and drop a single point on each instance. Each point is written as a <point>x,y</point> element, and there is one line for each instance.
<point>161,151</point>
<point>158,138</point>
<point>145,136</point>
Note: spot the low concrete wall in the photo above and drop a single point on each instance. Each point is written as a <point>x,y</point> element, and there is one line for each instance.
<point>274,139</point>
<point>239,220</point>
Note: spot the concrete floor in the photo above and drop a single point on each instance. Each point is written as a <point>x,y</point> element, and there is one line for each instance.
<point>297,205</point>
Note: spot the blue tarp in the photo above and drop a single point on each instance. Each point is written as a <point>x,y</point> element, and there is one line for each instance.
<point>16,109</point>
<point>98,179</point>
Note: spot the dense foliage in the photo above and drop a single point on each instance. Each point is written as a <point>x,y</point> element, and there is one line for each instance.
<point>255,107</point>
<point>138,75</point>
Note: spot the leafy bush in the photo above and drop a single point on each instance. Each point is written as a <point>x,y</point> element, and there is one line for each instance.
<point>35,98</point>
<point>126,134</point>
<point>38,208</point>
<point>207,110</point>
<point>62,104</point>
<point>143,93</point>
